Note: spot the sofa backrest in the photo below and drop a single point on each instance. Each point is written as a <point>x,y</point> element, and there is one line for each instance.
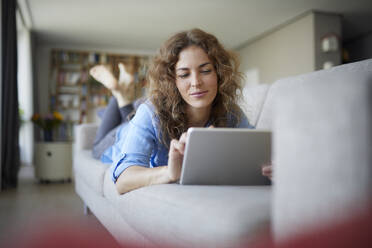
<point>322,147</point>
<point>253,100</point>
<point>266,116</point>
<point>85,135</point>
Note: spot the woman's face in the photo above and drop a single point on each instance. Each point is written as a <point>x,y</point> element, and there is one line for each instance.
<point>196,77</point>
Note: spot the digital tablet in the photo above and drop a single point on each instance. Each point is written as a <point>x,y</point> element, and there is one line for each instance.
<point>225,156</point>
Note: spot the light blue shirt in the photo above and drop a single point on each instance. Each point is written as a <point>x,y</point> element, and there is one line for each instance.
<point>138,142</point>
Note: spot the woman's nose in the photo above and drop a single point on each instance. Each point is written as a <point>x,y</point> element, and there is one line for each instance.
<point>195,80</point>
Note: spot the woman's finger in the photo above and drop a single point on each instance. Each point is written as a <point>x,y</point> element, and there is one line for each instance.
<point>182,143</point>
<point>267,170</point>
<point>178,146</point>
<point>172,147</point>
<point>183,137</point>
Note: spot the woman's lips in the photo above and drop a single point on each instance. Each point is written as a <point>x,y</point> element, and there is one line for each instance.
<point>199,94</point>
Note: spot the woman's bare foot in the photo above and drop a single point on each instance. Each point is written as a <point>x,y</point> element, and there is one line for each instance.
<point>124,76</point>
<point>103,74</point>
<point>123,89</point>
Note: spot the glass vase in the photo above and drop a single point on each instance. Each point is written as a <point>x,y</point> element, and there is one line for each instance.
<point>48,135</point>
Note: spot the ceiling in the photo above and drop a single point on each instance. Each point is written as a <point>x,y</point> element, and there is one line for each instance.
<point>145,24</point>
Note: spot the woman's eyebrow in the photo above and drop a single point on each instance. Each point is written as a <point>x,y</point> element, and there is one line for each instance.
<point>200,66</point>
<point>204,64</point>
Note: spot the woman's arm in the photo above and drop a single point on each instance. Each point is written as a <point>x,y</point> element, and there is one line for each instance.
<point>136,176</point>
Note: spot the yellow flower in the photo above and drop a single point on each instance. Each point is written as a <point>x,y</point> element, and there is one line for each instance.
<point>57,115</point>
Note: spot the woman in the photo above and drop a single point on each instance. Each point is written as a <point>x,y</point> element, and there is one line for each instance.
<point>193,83</point>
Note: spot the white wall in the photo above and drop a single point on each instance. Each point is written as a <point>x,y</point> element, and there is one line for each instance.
<point>284,52</point>
<point>42,59</point>
<point>291,49</point>
<point>25,93</point>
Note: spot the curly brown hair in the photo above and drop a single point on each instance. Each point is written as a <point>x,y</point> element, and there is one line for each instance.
<point>169,105</point>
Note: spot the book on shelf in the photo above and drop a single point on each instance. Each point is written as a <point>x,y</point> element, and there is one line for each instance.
<point>69,78</point>
<point>68,89</point>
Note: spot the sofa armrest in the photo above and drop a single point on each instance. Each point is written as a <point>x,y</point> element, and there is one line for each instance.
<point>322,148</point>
<point>85,135</point>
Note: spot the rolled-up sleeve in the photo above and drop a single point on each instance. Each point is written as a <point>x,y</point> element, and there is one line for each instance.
<point>136,143</point>
<point>244,123</point>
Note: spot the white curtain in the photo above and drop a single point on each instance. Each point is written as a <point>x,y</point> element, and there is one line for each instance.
<point>25,93</point>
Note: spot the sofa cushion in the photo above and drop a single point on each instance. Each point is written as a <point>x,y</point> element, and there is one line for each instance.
<point>89,169</point>
<point>194,216</point>
<point>253,100</point>
<point>323,144</point>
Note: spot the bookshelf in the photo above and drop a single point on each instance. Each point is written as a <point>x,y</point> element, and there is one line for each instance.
<point>75,94</point>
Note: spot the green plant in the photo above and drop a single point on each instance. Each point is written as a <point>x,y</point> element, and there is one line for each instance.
<point>21,116</point>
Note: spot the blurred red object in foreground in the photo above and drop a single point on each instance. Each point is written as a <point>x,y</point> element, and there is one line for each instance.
<point>352,232</point>
<point>59,232</point>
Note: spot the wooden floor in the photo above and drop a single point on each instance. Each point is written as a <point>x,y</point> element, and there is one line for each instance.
<point>32,205</point>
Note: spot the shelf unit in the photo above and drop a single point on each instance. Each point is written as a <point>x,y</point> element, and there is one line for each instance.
<point>75,94</point>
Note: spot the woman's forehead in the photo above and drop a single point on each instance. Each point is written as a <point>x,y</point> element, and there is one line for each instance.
<point>192,56</point>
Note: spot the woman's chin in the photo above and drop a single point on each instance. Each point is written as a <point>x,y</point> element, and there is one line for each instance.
<point>200,104</point>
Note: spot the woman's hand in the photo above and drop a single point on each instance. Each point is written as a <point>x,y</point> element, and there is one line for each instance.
<point>175,157</point>
<point>267,170</point>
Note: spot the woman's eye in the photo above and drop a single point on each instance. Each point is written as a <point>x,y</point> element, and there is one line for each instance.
<point>206,71</point>
<point>183,75</point>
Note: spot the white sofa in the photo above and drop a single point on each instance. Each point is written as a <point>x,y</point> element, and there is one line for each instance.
<point>322,146</point>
